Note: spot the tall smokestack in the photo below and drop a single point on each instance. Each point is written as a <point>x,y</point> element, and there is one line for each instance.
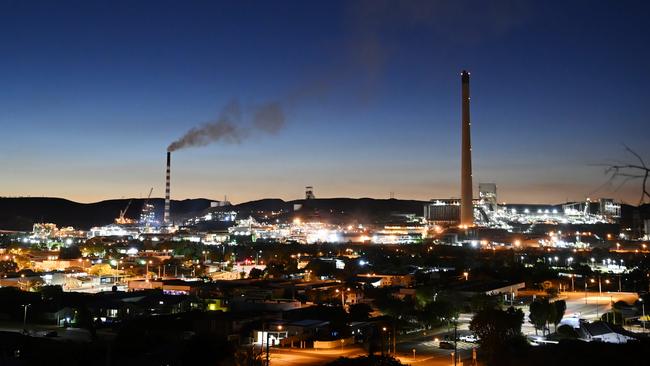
<point>466,206</point>
<point>167,198</point>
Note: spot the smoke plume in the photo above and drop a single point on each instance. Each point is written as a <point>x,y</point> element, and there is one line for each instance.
<point>229,127</point>
<point>269,118</point>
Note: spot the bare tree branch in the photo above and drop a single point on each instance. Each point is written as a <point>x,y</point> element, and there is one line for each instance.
<point>627,148</point>
<point>626,172</point>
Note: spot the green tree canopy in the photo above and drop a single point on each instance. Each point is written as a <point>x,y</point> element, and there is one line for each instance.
<point>539,314</point>
<point>496,329</point>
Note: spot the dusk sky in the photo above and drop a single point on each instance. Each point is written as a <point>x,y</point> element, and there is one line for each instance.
<point>93,92</point>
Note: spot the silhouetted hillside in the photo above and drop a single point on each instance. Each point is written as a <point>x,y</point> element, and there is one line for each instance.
<point>341,210</point>
<point>22,212</point>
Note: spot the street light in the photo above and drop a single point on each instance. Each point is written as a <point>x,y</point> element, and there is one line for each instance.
<point>466,275</point>
<point>342,297</point>
<point>643,316</point>
<point>25,317</point>
<point>118,268</point>
<point>147,263</point>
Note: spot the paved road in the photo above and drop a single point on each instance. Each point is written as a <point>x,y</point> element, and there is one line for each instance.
<point>63,334</point>
<point>309,357</point>
<point>428,351</point>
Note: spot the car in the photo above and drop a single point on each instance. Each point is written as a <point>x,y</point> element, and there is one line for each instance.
<point>446,345</point>
<point>470,338</point>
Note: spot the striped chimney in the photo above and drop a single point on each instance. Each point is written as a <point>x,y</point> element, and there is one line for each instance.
<point>166,220</point>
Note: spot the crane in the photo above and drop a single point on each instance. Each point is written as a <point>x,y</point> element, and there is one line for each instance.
<point>147,213</point>
<point>124,220</point>
<point>148,197</point>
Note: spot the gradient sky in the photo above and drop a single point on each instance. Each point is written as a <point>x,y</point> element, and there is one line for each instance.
<point>92,92</point>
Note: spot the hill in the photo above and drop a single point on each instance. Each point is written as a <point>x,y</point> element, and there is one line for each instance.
<point>22,212</point>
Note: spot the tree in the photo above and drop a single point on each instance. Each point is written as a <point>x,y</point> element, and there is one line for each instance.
<point>321,268</point>
<point>623,173</point>
<point>556,313</point>
<point>497,329</point>
<point>482,301</point>
<point>71,252</point>
<point>552,292</point>
<point>51,292</point>
<point>388,304</point>
<point>8,266</point>
<point>256,273</point>
<point>539,314</point>
<point>436,313</point>
<point>360,312</point>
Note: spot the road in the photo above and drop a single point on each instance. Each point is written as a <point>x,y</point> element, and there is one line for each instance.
<point>427,345</point>
<point>309,357</point>
<point>429,354</point>
<point>63,334</point>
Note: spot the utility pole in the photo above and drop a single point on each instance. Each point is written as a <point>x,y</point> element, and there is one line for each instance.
<point>455,340</point>
<point>600,293</point>
<point>268,361</point>
<point>394,339</point>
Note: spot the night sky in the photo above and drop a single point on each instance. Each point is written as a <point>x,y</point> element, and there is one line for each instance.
<point>93,92</point>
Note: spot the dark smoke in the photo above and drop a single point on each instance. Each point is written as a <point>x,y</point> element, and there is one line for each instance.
<point>268,118</point>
